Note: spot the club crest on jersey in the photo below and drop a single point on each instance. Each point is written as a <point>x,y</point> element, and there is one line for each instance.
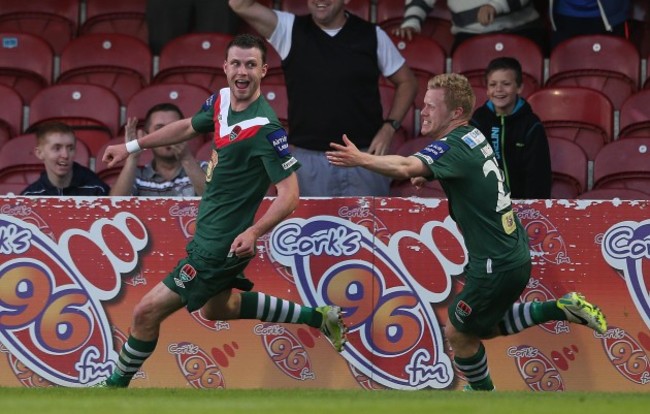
<point>473,138</point>
<point>463,309</point>
<point>279,141</point>
<point>185,275</point>
<point>234,133</point>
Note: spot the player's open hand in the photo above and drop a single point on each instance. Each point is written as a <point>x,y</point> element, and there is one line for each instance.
<point>346,155</point>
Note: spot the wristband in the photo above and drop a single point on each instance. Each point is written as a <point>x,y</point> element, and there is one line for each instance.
<point>133,146</point>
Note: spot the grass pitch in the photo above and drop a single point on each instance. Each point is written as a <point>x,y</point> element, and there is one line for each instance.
<point>311,401</point>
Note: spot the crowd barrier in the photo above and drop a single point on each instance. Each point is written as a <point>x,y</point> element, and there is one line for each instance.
<point>72,269</point>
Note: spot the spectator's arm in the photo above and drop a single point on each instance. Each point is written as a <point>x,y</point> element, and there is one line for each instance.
<point>415,12</point>
<point>260,17</point>
<point>194,172</point>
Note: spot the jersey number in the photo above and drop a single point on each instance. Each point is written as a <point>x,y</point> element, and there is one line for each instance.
<point>503,198</point>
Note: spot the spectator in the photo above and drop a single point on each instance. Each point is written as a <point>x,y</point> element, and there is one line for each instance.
<point>167,19</point>
<point>173,171</point>
<point>516,134</point>
<point>473,17</point>
<point>332,61</point>
<point>55,146</point>
<point>571,18</point>
<point>498,253</point>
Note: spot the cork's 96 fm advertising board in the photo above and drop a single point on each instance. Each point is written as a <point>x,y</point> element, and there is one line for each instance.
<point>72,269</point>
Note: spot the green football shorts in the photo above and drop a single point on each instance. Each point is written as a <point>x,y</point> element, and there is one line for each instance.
<point>484,300</point>
<point>198,277</point>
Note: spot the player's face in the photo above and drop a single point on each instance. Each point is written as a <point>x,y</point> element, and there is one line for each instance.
<point>57,153</point>
<point>435,114</point>
<point>328,14</point>
<point>502,90</point>
<point>244,70</point>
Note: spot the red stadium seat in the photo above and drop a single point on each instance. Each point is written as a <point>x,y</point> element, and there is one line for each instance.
<point>195,58</point>
<point>116,16</point>
<point>609,64</point>
<point>119,62</point>
<point>10,189</point>
<point>408,129</point>
<point>425,58</point>
<point>404,188</point>
<point>635,116</point>
<point>92,110</point>
<point>20,166</point>
<point>480,93</point>
<point>11,113</point>
<point>584,116</point>
<point>611,193</point>
<point>473,55</point>
<point>26,63</point>
<point>624,164</point>
<point>569,166</point>
<point>437,25</point>
<point>359,8</point>
<point>276,96</point>
<point>188,98</point>
<point>54,21</point>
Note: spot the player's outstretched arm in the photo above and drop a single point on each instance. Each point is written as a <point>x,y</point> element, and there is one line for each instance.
<point>395,166</point>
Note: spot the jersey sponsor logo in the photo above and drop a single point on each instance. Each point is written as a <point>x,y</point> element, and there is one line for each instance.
<point>473,138</point>
<point>508,222</point>
<point>208,103</point>
<point>434,151</point>
<point>289,163</point>
<point>278,139</point>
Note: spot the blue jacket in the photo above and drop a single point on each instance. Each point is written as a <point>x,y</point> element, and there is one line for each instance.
<point>614,12</point>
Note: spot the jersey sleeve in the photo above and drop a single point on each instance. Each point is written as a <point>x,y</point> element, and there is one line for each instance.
<point>274,152</point>
<point>203,120</point>
<point>442,158</point>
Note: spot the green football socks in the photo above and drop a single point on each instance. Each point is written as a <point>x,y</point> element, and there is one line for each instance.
<point>132,355</point>
<point>475,369</point>
<point>255,305</point>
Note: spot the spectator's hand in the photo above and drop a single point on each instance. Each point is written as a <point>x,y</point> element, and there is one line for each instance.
<point>486,14</point>
<point>182,151</point>
<point>131,132</point>
<point>405,32</point>
<point>418,182</point>
<point>381,142</point>
<point>346,155</point>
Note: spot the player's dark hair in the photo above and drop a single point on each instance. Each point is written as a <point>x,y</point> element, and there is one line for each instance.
<point>505,63</point>
<point>248,41</point>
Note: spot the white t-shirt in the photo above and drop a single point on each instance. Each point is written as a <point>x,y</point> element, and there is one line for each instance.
<point>388,57</point>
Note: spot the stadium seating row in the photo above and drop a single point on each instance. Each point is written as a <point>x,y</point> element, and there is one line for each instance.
<point>621,168</point>
<point>62,20</point>
<point>582,115</point>
<point>124,63</point>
